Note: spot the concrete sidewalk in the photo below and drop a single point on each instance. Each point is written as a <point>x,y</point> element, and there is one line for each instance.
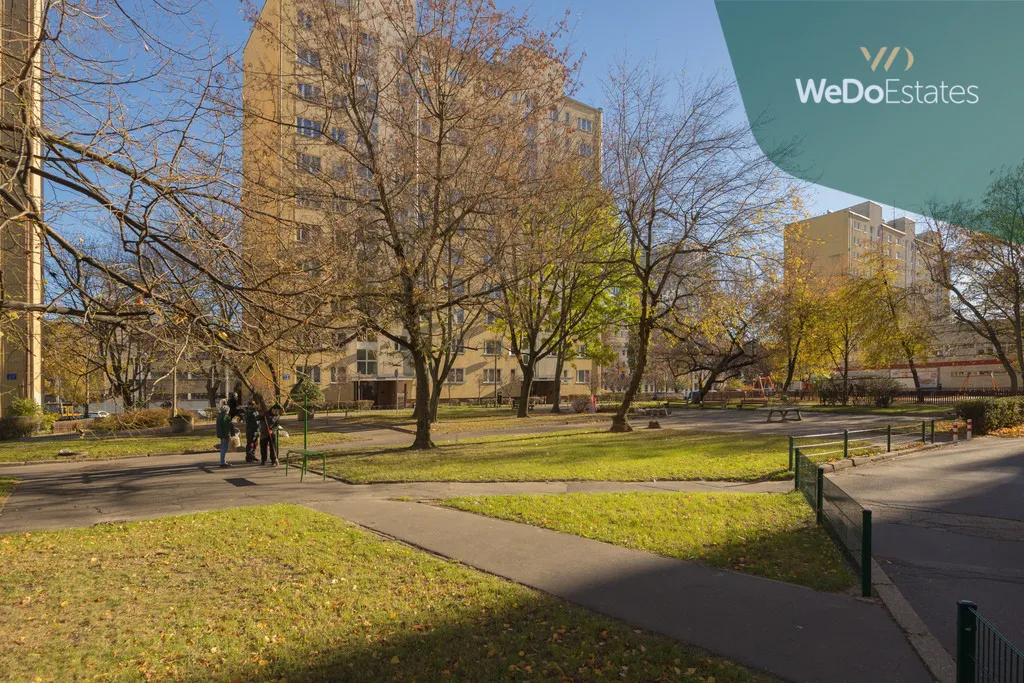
<point>793,632</point>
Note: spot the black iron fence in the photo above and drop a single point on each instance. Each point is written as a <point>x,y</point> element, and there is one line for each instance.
<point>843,518</point>
<point>983,655</point>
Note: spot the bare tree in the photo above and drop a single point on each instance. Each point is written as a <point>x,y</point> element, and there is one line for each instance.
<point>426,129</point>
<point>689,182</point>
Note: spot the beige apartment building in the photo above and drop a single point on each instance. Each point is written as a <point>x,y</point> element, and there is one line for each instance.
<point>850,241</point>
<point>20,248</point>
<point>283,89</point>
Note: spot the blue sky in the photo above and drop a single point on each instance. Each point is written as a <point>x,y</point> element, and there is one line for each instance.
<point>677,33</point>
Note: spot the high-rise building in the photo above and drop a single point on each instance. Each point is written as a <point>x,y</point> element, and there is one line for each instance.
<point>297,129</point>
<point>20,249</point>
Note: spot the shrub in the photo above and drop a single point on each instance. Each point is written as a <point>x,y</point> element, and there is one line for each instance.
<point>47,420</point>
<point>308,393</point>
<point>24,407</point>
<point>882,390</point>
<point>991,414</point>
<point>831,391</point>
<point>137,419</point>
<point>18,427</point>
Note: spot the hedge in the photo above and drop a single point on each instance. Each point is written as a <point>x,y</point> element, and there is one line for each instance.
<point>991,414</point>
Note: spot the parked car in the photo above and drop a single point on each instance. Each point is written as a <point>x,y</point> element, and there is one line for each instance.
<point>99,413</point>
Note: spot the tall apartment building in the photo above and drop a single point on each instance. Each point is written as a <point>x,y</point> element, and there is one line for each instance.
<point>20,248</point>
<point>283,89</point>
<point>850,241</point>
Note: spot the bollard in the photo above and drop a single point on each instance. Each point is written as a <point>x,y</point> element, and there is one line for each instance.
<point>970,428</point>
<point>956,432</point>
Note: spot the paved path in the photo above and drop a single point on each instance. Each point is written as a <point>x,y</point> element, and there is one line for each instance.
<point>793,632</point>
<point>948,526</point>
<point>59,495</point>
<point>796,633</point>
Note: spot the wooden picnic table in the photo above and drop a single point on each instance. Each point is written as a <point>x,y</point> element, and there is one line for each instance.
<point>783,411</point>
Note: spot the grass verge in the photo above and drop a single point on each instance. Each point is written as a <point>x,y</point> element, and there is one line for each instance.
<point>7,485</point>
<point>577,456</point>
<point>127,446</point>
<point>458,419</point>
<point>287,593</point>
<point>770,535</point>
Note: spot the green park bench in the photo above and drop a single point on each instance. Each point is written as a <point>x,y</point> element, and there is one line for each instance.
<point>306,455</point>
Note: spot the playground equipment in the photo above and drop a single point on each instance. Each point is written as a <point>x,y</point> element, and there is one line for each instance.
<point>765,386</point>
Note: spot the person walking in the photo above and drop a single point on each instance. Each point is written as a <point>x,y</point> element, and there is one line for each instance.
<point>252,416</point>
<point>224,433</point>
<point>268,435</point>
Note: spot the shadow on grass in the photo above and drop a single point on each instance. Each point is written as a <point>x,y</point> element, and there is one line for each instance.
<point>537,638</point>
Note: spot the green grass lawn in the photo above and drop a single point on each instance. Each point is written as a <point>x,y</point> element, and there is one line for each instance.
<point>7,485</point>
<point>457,419</point>
<point>586,456</point>
<point>771,535</point>
<point>125,446</point>
<point>285,593</point>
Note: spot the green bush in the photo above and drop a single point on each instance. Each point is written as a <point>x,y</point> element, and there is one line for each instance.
<point>24,407</point>
<point>306,393</point>
<point>991,414</point>
<point>831,391</point>
<point>881,390</point>
<point>137,419</point>
<point>18,427</point>
<point>46,421</point>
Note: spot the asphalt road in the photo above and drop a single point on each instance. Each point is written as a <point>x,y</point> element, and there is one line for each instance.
<point>949,526</point>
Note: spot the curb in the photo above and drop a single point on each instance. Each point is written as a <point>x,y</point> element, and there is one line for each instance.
<point>22,463</point>
<point>939,663</point>
<point>840,465</point>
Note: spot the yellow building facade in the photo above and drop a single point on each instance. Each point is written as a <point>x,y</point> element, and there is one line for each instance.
<point>20,247</point>
<point>287,121</point>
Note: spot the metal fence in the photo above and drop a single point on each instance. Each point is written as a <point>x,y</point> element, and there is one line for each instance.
<point>983,655</point>
<point>947,397</point>
<point>862,442</point>
<point>842,517</point>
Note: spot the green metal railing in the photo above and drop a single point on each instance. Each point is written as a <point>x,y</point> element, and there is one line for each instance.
<point>983,655</point>
<point>843,518</point>
<point>851,443</point>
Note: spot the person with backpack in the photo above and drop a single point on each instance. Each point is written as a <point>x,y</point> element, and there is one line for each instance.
<point>224,428</point>
<point>252,418</point>
<point>269,424</point>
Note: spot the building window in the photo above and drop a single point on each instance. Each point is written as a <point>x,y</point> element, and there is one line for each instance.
<point>306,200</point>
<point>308,163</point>
<point>311,372</point>
<point>308,57</point>
<point>492,318</point>
<point>308,91</point>
<point>337,374</point>
<point>308,128</point>
<point>366,362</point>
<point>456,376</point>
<point>492,348</point>
<point>338,135</point>
<point>585,125</point>
<point>586,150</point>
<point>583,377</point>
<point>492,376</point>
<point>458,348</point>
<point>305,20</point>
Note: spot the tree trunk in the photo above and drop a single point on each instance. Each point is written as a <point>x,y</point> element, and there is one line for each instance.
<point>557,398</point>
<point>527,387</point>
<point>791,368</point>
<point>435,399</point>
<point>423,395</point>
<point>620,423</point>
